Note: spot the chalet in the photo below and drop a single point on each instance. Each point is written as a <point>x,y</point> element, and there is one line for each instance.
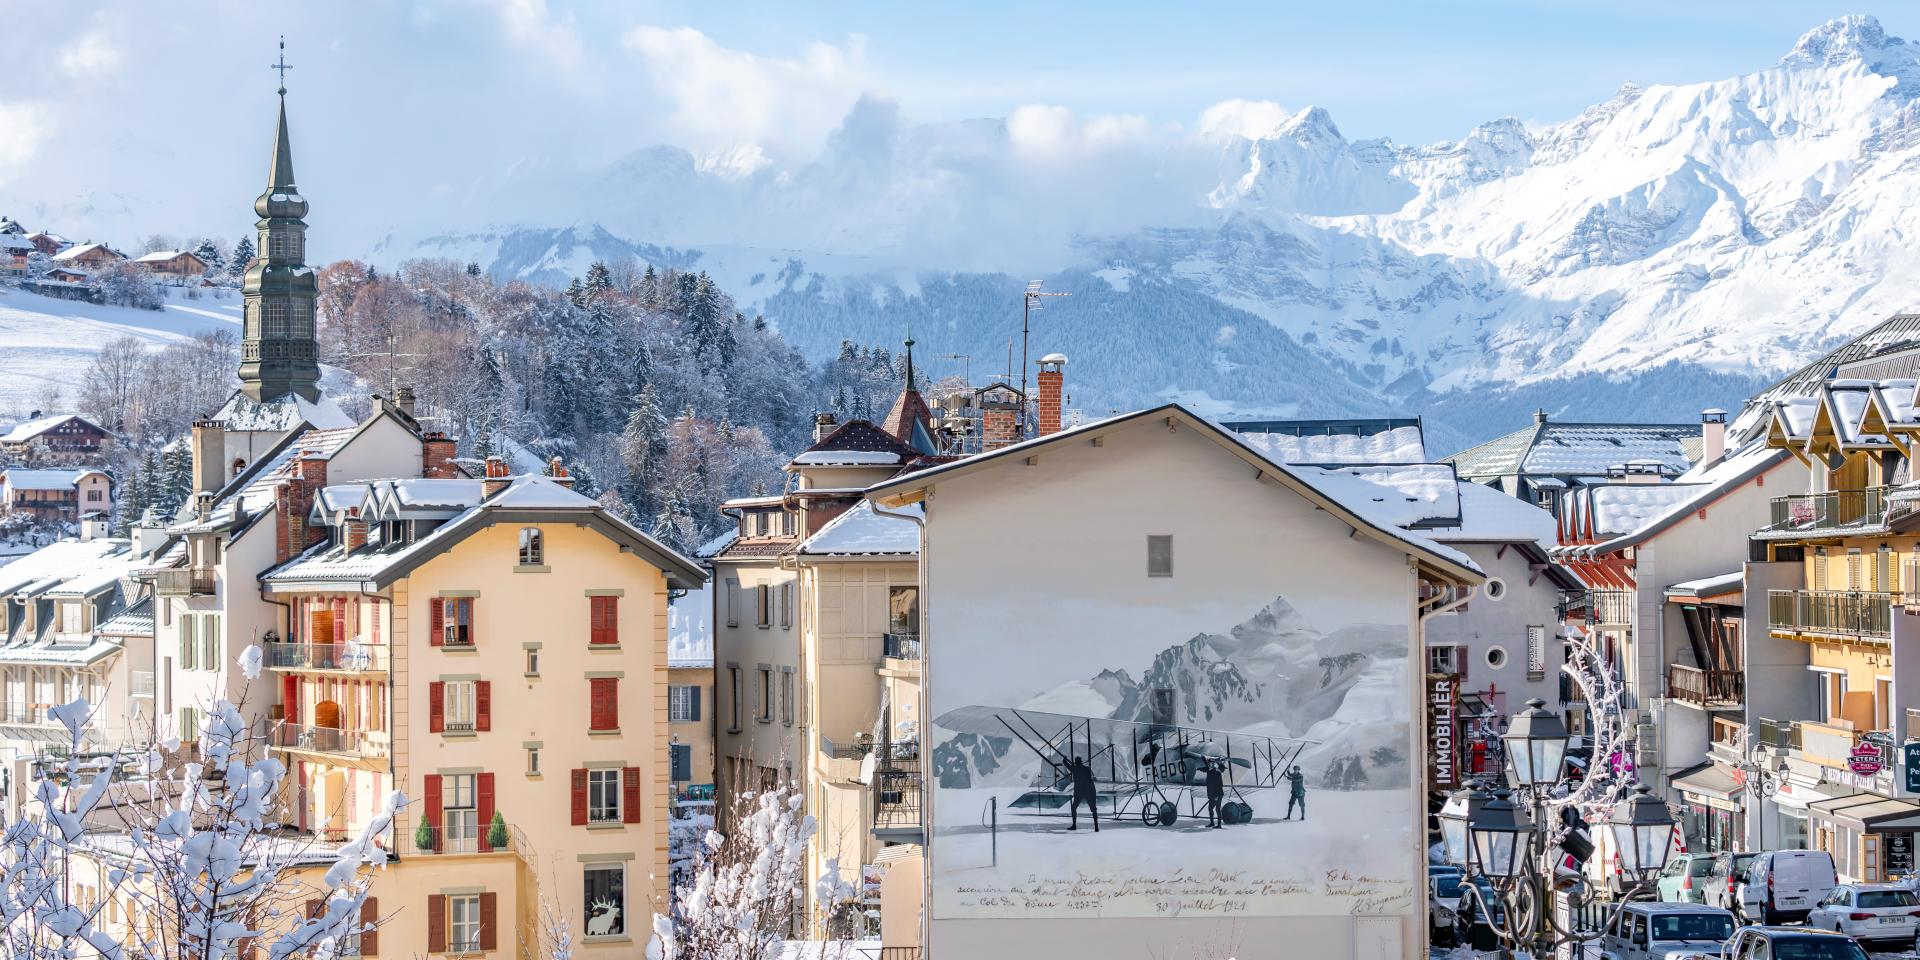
<point>67,275</point>
<point>10,227</point>
<point>14,252</point>
<point>172,263</point>
<point>48,243</point>
<point>87,256</point>
<point>65,434</point>
<point>63,494</point>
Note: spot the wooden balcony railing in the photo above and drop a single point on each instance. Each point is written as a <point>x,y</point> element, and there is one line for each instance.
<point>1867,615</point>
<point>1832,510</point>
<point>1706,688</point>
<point>183,582</point>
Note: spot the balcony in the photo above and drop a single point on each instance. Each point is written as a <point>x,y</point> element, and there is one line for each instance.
<point>345,657</point>
<point>307,738</point>
<point>1600,608</point>
<point>1781,735</point>
<point>901,646</point>
<point>28,714</point>
<point>1711,689</point>
<point>1828,613</point>
<point>470,838</point>
<point>896,804</point>
<point>183,582</point>
<point>1832,744</point>
<point>1852,510</point>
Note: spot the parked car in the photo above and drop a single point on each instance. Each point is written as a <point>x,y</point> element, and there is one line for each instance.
<point>1470,926</point>
<point>1723,882</point>
<point>1443,903</point>
<point>1791,943</point>
<point>1666,931</point>
<point>1685,878</point>
<point>1868,912</point>
<point>1784,885</point>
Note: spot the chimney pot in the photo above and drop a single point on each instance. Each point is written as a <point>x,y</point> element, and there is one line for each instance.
<point>496,477</point>
<point>1713,435</point>
<point>354,530</point>
<point>1539,415</point>
<point>403,398</point>
<point>823,424</point>
<point>1052,393</point>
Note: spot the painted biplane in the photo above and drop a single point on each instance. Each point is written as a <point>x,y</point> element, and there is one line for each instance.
<point>1155,771</point>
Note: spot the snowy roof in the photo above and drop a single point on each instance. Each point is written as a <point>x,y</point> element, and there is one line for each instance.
<point>283,413</point>
<point>47,478</point>
<point>1624,514</point>
<point>862,532</point>
<point>856,437</point>
<point>847,458</point>
<point>10,241</point>
<point>162,256</point>
<point>1335,441</point>
<point>134,621</point>
<point>717,544</point>
<point>1488,515</point>
<point>103,575</point>
<point>75,253</point>
<point>252,492</point>
<point>25,431</point>
<point>56,561</point>
<point>1714,586</point>
<point>75,654</point>
<point>1545,447</point>
<point>1427,492</point>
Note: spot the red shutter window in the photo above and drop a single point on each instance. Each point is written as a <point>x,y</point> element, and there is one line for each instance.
<point>483,798</point>
<point>290,698</point>
<point>437,631</point>
<point>604,620</point>
<point>436,923</point>
<point>482,705</point>
<point>604,704</point>
<point>580,797</point>
<point>436,707</point>
<point>369,915</point>
<point>487,941</point>
<point>630,794</point>
<point>434,812</point>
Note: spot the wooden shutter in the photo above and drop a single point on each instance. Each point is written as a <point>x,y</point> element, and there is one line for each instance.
<point>483,797</point>
<point>314,907</point>
<point>322,626</point>
<point>438,618</point>
<point>693,703</point>
<point>290,698</point>
<point>609,619</point>
<point>579,797</point>
<point>370,915</point>
<point>1460,661</point>
<point>483,705</point>
<point>435,815</point>
<point>604,703</point>
<point>487,941</point>
<point>436,707</point>
<point>472,607</point>
<point>436,923</point>
<point>630,794</point>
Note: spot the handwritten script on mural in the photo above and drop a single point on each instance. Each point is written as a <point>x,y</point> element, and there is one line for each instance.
<point>1183,893</point>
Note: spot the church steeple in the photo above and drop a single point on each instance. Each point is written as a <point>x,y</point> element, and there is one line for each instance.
<point>277,350</point>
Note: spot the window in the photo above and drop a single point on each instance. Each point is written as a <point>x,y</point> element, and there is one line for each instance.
<point>1496,657</point>
<point>603,796</point>
<point>533,661</point>
<point>786,696</point>
<point>1830,693</point>
<point>463,924</point>
<point>189,644</point>
<point>606,900</point>
<point>73,617</point>
<point>1441,660</point>
<point>453,621</point>
<point>459,705</point>
<point>1496,588</point>
<point>190,724</point>
<point>763,698</point>
<point>533,550</point>
<point>1159,555</point>
<point>903,610</point>
<point>603,707</point>
<point>210,642</point>
<point>786,605</point>
<point>763,605</point>
<point>603,621</point>
<point>733,698</point>
<point>95,496</point>
<point>683,703</point>
<point>533,761</point>
<point>460,808</point>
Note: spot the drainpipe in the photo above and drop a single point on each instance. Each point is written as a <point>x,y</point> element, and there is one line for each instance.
<point>923,723</point>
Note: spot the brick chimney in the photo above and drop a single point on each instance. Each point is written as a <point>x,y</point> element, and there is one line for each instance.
<point>999,426</point>
<point>558,471</point>
<point>1713,434</point>
<point>1052,392</point>
<point>496,478</point>
<point>209,455</point>
<point>436,457</point>
<point>293,499</point>
<point>823,424</point>
<point>354,530</point>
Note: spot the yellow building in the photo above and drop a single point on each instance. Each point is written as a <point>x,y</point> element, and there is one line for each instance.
<point>497,650</point>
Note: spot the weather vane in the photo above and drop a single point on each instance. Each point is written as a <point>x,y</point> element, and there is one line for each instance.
<point>283,66</point>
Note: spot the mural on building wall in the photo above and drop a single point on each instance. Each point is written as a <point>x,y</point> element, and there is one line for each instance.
<point>1259,771</point>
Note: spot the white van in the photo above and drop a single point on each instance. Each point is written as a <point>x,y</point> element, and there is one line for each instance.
<point>1784,885</point>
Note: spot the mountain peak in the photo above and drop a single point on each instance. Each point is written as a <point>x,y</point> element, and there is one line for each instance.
<point>1314,124</point>
<point>1841,40</point>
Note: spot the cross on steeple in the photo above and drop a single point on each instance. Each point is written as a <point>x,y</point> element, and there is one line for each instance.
<point>283,66</point>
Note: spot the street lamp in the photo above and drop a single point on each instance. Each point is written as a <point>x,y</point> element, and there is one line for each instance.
<point>1642,833</point>
<point>1536,746</point>
<point>1502,839</point>
<point>1456,816</point>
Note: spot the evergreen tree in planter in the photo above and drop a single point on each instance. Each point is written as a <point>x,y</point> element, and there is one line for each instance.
<point>497,832</point>
<point>424,837</point>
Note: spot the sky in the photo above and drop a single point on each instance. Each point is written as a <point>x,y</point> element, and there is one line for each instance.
<point>135,118</point>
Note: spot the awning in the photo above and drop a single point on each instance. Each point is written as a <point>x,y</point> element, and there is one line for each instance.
<point>1867,812</point>
<point>1708,780</point>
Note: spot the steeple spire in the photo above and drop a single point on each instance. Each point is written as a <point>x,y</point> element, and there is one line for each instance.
<point>277,348</point>
<point>910,381</point>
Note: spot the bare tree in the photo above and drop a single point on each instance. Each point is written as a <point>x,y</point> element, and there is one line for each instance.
<point>110,390</point>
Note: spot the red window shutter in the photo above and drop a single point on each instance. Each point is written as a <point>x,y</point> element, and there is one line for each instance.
<point>487,941</point>
<point>483,705</point>
<point>290,698</point>
<point>436,923</point>
<point>579,797</point>
<point>604,703</point>
<point>438,627</point>
<point>434,813</point>
<point>483,797</point>
<point>473,619</point>
<point>369,915</point>
<point>314,907</point>
<point>1460,661</point>
<point>604,620</point>
<point>436,707</point>
<point>630,794</point>
<point>612,625</point>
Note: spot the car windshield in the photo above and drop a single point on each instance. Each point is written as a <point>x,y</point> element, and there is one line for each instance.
<point>1444,886</point>
<point>1700,867</point>
<point>1692,926</point>
<point>1888,898</point>
<point>1817,948</point>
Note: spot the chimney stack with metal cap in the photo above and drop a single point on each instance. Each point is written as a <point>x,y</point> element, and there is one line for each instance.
<point>1713,435</point>
<point>558,471</point>
<point>1052,384</point>
<point>823,424</point>
<point>436,456</point>
<point>496,478</point>
<point>404,400</point>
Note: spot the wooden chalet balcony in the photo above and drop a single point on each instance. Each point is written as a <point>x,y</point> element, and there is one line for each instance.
<point>1848,615</point>
<point>346,657</point>
<point>1833,510</point>
<point>1600,608</point>
<point>1706,688</point>
<point>183,582</point>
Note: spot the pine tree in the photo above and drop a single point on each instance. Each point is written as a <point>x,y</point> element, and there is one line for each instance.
<point>242,257</point>
<point>649,292</point>
<point>209,252</point>
<point>599,281</point>
<point>473,269</point>
<point>176,484</point>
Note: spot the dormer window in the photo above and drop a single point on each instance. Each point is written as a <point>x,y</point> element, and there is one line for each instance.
<point>533,551</point>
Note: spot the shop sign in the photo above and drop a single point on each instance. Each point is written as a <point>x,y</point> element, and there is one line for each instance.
<point>1864,760</point>
<point>1899,853</point>
<point>1911,756</point>
<point>1443,730</point>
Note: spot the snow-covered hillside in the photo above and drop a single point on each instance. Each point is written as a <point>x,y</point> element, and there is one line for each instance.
<point>48,342</point>
<point>1738,225</point>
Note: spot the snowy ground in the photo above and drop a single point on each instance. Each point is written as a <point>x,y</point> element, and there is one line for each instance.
<point>1350,854</point>
<point>48,341</point>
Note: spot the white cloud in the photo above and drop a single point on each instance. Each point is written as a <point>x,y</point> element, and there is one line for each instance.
<point>26,126</point>
<point>1252,119</point>
<point>91,56</point>
<point>1038,130</point>
<point>535,28</point>
<point>725,98</point>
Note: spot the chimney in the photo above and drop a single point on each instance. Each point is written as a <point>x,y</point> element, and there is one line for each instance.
<point>496,478</point>
<point>822,425</point>
<point>558,471</point>
<point>354,530</point>
<point>1539,415</point>
<point>293,498</point>
<point>1052,384</point>
<point>403,399</point>
<point>148,533</point>
<point>436,456</point>
<point>203,504</point>
<point>209,455</point>
<point>94,526</point>
<point>999,426</point>
<point>1713,435</point>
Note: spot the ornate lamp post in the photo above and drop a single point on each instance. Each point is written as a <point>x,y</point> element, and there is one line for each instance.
<point>1454,817</point>
<point>1536,747</point>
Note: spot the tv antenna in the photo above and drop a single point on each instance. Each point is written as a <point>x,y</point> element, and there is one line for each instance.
<point>391,353</point>
<point>965,360</point>
<point>1031,302</point>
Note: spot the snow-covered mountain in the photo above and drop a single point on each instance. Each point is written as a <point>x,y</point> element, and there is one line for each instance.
<point>1266,263</point>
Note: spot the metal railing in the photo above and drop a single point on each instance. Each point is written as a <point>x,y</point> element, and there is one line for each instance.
<point>474,838</point>
<point>1604,608</point>
<point>1832,744</point>
<point>183,582</point>
<point>1706,687</point>
<point>896,798</point>
<point>901,646</point>
<point>305,736</point>
<point>1830,510</point>
<point>23,713</point>
<point>1832,613</point>
<point>1779,734</point>
<point>325,656</point>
